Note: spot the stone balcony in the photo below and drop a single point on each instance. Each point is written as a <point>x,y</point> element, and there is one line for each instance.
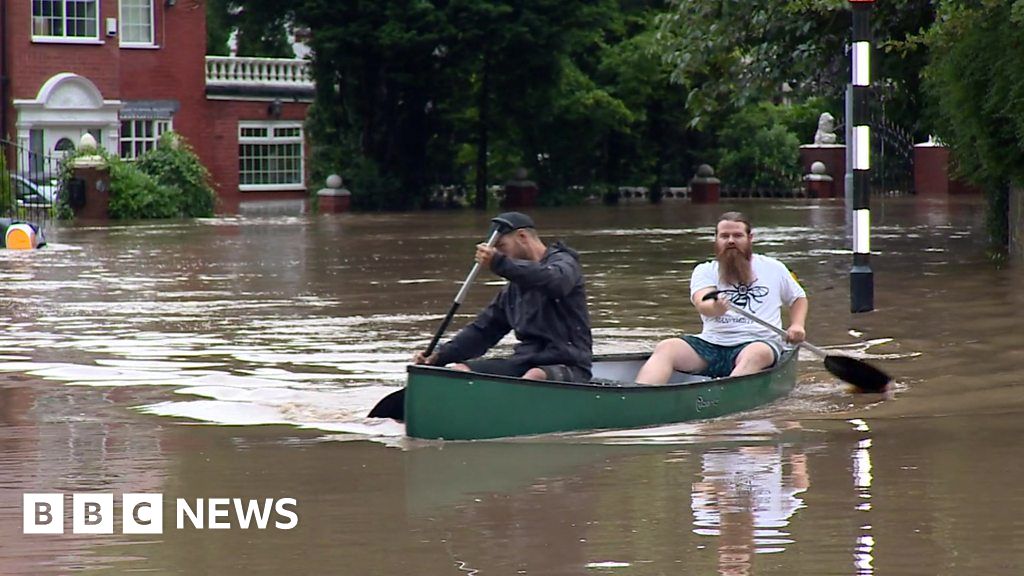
<point>232,77</point>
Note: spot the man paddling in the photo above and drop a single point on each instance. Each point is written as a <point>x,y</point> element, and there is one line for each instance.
<point>544,302</point>
<point>730,344</point>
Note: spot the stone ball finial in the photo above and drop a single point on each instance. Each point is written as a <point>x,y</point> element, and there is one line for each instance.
<point>87,142</point>
<point>334,181</point>
<point>818,167</point>
<point>705,171</point>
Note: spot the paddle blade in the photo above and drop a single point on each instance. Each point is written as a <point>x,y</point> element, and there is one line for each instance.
<point>857,372</point>
<point>391,406</point>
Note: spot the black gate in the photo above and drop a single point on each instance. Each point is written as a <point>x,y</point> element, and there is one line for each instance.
<point>892,158</point>
<point>30,184</point>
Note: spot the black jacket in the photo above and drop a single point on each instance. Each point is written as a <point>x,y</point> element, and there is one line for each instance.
<point>544,302</point>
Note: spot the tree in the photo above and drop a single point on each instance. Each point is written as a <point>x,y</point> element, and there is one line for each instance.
<point>732,53</point>
<point>973,80</point>
<point>379,68</point>
<point>261,28</point>
<point>218,27</point>
<point>514,54</point>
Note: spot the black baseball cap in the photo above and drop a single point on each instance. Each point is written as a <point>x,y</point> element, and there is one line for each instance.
<point>511,221</point>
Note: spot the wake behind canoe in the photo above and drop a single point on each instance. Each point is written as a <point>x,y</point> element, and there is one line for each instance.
<point>441,403</point>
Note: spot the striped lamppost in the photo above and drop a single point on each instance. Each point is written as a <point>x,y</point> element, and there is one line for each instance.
<point>862,281</point>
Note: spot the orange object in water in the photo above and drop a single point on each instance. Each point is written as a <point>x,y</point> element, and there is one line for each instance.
<point>21,237</point>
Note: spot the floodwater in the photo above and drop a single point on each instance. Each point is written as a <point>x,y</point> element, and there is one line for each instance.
<point>237,357</point>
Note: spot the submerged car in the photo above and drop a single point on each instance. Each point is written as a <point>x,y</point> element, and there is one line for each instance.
<point>34,191</point>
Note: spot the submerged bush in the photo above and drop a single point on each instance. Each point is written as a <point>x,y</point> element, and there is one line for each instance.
<point>166,182</point>
<point>175,165</point>
<point>135,194</point>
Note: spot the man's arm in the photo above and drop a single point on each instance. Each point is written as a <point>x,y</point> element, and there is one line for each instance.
<point>478,336</point>
<point>709,308</point>
<point>797,317</point>
<point>557,277</point>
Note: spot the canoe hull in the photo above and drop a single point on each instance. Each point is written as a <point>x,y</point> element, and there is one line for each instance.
<point>446,404</point>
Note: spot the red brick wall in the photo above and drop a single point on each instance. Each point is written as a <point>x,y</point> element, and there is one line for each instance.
<point>221,135</point>
<point>33,63</point>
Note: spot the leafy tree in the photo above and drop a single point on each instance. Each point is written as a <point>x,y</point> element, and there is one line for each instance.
<point>973,79</point>
<point>515,53</point>
<point>218,27</point>
<point>262,28</point>
<point>660,145</point>
<point>740,52</point>
<point>378,67</point>
<point>758,151</point>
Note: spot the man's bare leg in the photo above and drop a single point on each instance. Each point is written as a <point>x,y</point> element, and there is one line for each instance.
<point>669,355</point>
<point>754,357</point>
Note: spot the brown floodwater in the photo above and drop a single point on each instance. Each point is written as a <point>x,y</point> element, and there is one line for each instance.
<point>237,358</point>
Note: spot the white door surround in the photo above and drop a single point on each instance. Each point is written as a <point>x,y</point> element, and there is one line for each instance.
<point>68,106</point>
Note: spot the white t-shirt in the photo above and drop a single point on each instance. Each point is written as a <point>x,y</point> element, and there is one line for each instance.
<point>773,286</point>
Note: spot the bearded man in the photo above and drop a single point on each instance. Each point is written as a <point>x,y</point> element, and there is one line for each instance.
<point>731,344</point>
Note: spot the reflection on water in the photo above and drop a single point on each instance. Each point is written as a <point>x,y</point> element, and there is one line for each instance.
<point>114,338</point>
<point>862,481</point>
<point>748,484</point>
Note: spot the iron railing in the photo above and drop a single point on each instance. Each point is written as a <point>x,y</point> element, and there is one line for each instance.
<point>30,184</point>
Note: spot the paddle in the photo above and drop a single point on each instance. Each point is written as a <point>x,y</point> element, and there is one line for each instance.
<point>393,405</point>
<point>857,372</point>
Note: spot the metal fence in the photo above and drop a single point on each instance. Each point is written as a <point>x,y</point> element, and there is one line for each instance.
<point>29,184</point>
<point>892,158</point>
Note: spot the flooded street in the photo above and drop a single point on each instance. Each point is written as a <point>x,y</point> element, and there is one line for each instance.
<point>238,357</point>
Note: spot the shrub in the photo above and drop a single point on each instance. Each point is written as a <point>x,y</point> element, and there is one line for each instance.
<point>135,194</point>
<point>758,151</point>
<point>374,190</point>
<point>174,164</point>
<point>166,182</point>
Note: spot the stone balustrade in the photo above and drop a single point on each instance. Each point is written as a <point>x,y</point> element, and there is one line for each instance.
<point>229,70</point>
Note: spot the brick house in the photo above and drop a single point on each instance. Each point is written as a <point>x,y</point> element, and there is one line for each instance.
<point>128,70</point>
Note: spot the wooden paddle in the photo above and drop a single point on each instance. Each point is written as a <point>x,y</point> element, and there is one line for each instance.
<point>864,376</point>
<point>393,405</point>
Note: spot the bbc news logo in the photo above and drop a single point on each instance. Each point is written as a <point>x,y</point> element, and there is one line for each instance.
<point>94,513</point>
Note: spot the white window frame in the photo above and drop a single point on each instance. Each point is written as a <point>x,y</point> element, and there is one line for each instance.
<point>125,24</point>
<point>270,138</point>
<point>63,37</point>
<point>160,126</point>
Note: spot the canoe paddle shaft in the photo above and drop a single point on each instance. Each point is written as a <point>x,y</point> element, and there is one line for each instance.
<point>459,297</point>
<point>393,405</point>
<point>857,372</point>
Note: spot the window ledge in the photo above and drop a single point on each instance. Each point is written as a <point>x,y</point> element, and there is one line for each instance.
<point>271,187</point>
<point>62,40</point>
<point>139,46</point>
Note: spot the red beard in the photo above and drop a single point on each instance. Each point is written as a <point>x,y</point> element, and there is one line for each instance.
<point>734,265</point>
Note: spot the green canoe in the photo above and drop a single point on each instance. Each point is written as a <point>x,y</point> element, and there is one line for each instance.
<point>441,403</point>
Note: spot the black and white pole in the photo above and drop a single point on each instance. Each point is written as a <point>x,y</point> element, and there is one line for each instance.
<point>862,282</point>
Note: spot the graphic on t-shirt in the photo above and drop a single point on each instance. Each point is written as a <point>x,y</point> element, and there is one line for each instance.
<point>742,294</point>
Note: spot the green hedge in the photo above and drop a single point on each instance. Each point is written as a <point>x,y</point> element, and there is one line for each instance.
<point>166,182</point>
